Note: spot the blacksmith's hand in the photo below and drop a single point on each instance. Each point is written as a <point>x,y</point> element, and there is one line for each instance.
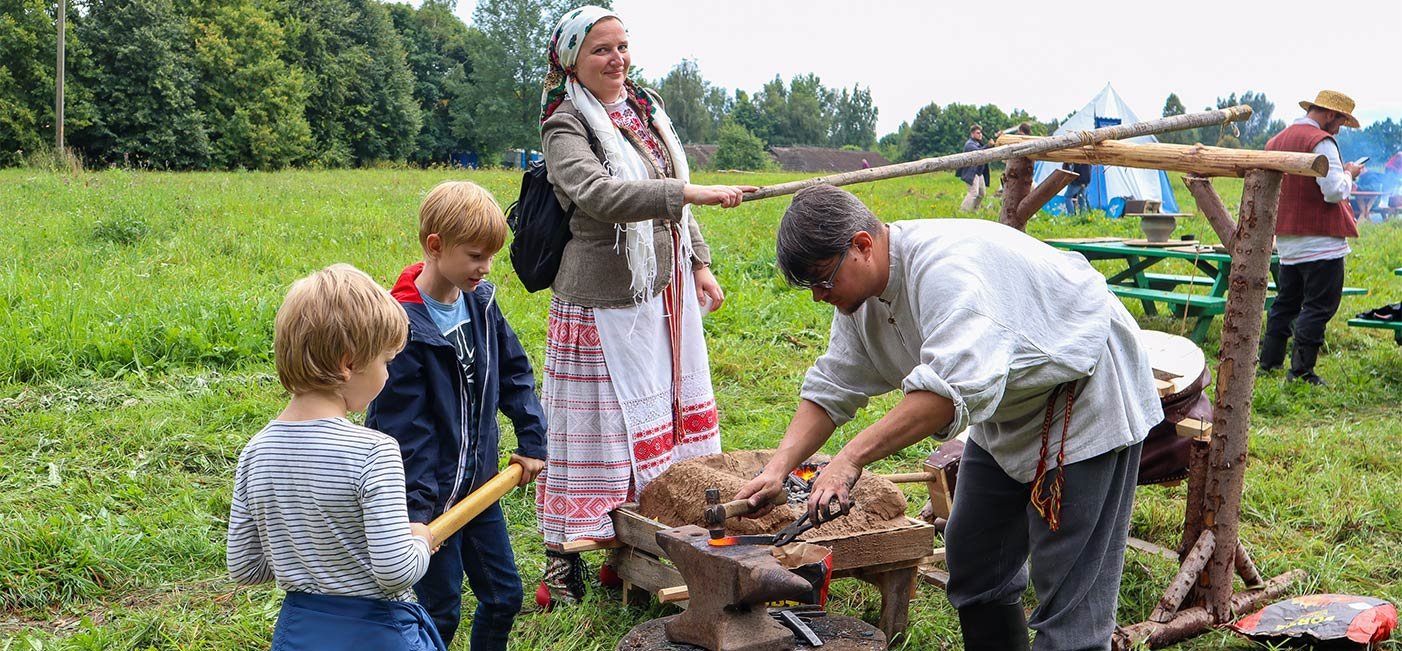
<point>530,468</point>
<point>832,489</point>
<point>760,492</point>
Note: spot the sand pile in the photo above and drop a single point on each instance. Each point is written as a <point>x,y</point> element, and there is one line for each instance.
<point>678,497</point>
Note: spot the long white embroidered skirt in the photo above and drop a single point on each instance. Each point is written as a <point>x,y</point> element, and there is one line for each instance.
<point>619,409</point>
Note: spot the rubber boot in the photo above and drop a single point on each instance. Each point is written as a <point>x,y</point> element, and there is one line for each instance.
<point>1302,361</point>
<point>564,580</point>
<point>1272,353</point>
<point>994,627</point>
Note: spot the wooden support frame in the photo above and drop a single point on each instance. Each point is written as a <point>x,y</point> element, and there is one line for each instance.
<point>1217,466</point>
<point>1194,159</point>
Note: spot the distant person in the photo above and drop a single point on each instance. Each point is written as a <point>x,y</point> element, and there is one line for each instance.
<point>461,366</point>
<point>318,501</point>
<point>627,377</point>
<point>977,324</point>
<point>865,164</point>
<point>1076,190</point>
<point>976,176</point>
<point>1312,224</point>
<point>1025,129</point>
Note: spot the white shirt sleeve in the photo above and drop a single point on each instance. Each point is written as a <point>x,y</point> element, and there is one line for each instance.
<point>243,554</point>
<point>844,378</point>
<point>1337,185</point>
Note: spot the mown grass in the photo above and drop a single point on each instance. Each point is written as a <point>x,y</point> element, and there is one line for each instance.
<point>135,338</point>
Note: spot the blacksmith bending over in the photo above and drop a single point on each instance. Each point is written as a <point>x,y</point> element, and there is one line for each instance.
<point>982,326</point>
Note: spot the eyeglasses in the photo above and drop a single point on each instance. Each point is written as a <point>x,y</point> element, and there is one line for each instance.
<point>827,284</point>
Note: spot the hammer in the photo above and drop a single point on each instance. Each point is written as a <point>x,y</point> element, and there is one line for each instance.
<point>717,512</point>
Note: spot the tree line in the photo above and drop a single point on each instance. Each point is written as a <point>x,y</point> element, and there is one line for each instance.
<point>271,84</point>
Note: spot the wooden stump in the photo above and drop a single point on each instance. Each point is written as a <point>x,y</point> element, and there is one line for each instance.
<point>837,632</point>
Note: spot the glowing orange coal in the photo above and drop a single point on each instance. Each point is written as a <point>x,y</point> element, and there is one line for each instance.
<point>724,542</point>
<point>806,472</point>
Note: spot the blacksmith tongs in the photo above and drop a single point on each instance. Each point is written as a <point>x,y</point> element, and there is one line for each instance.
<point>805,522</point>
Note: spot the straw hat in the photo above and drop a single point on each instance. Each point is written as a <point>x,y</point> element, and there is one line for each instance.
<point>1334,101</point>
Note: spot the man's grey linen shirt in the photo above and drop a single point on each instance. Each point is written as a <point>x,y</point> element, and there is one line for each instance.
<point>994,320</point>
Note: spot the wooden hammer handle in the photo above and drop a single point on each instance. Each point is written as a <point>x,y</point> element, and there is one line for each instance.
<point>475,503</point>
<point>909,477</point>
<point>742,507</point>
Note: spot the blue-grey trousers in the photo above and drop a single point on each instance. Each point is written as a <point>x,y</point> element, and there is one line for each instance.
<point>994,534</point>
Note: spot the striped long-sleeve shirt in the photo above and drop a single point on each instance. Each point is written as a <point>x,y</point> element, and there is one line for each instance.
<point>319,507</point>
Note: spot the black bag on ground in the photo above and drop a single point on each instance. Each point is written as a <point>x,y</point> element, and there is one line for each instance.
<point>539,227</point>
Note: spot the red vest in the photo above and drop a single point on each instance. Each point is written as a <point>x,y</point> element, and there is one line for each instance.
<point>1303,210</point>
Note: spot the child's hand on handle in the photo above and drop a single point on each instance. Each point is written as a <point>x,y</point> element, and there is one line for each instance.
<point>529,468</point>
<point>421,530</point>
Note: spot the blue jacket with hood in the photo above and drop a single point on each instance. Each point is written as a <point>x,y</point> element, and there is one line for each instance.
<point>425,407</point>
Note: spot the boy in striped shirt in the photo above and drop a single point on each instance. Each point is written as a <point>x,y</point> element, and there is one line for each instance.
<point>319,503</point>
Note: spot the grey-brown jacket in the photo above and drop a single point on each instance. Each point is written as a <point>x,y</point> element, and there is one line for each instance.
<point>594,268</point>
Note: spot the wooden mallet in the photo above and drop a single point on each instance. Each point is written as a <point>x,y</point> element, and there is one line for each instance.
<point>475,503</point>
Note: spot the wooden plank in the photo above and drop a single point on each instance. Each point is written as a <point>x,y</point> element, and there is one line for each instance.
<point>1150,548</point>
<point>914,541</point>
<point>576,546</point>
<point>648,572</point>
<point>1195,159</point>
<point>638,531</point>
<point>1164,387</point>
<point>1036,145</point>
<point>1192,428</point>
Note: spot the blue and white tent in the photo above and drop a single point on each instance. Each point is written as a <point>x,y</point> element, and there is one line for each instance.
<point>1106,183</point>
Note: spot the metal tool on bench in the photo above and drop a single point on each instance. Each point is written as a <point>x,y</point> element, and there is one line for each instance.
<point>794,620</point>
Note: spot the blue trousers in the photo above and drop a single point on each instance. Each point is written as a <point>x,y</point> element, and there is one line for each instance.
<point>481,551</point>
<point>994,531</point>
<point>318,622</point>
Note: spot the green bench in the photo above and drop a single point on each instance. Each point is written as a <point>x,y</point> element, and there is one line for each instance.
<point>1202,303</point>
<point>1169,281</point>
<point>1394,326</point>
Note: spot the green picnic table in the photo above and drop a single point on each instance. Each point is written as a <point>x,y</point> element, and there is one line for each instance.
<point>1143,278</point>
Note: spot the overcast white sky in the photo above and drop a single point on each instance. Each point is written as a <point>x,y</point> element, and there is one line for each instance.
<point>1048,58</point>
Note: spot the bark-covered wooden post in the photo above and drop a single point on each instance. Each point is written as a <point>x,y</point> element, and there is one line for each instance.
<point>1236,378</point>
<point>1017,182</point>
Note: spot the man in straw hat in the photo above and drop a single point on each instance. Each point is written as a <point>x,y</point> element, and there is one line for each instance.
<point>1311,225</point>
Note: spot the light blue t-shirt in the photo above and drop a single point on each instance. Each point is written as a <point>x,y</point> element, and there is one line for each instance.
<point>455,323</point>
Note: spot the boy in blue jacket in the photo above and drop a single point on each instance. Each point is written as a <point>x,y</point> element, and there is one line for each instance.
<point>461,365</point>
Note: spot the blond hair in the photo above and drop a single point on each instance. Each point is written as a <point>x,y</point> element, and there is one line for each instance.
<point>462,212</point>
<point>335,316</point>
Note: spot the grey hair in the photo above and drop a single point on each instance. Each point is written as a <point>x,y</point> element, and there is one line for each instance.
<point>817,226</point>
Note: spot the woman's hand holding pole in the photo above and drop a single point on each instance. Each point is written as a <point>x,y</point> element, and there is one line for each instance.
<point>725,196</point>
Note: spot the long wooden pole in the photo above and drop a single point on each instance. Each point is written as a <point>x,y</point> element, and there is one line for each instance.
<point>58,77</point>
<point>1004,152</point>
<point>1197,159</point>
<point>475,503</point>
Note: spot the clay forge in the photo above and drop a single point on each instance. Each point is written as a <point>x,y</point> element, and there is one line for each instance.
<point>729,587</point>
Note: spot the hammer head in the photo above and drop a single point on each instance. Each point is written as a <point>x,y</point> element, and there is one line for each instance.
<point>714,514</point>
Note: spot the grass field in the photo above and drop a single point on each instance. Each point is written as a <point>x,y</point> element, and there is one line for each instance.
<point>135,361</point>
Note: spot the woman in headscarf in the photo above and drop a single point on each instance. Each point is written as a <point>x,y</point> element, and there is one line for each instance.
<point>627,387</point>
